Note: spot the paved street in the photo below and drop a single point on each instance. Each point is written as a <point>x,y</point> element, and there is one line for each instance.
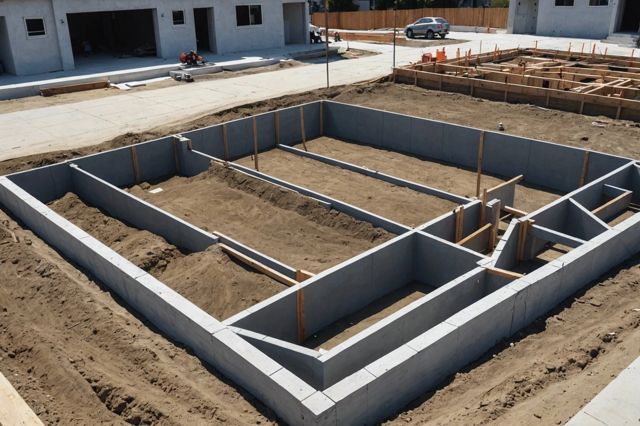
<point>85,123</point>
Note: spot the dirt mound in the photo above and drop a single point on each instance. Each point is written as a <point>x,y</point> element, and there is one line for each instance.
<point>290,200</point>
<point>78,357</point>
<point>210,279</point>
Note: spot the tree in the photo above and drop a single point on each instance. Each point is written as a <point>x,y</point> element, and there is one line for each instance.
<point>342,6</point>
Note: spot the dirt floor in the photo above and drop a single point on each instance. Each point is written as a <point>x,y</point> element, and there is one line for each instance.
<point>349,326</point>
<point>399,204</point>
<point>282,224</point>
<point>78,356</point>
<point>210,279</point>
<point>437,175</point>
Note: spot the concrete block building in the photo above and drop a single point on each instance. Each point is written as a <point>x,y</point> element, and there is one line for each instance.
<point>597,19</point>
<point>38,36</point>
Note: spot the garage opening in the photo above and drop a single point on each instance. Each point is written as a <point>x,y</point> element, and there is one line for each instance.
<point>6,55</point>
<point>121,34</point>
<point>631,16</point>
<point>294,23</point>
<point>205,34</point>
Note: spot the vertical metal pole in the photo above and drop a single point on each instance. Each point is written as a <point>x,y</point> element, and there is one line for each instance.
<point>395,10</point>
<point>326,35</point>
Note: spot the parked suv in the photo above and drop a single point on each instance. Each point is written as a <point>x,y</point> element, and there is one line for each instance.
<point>428,27</point>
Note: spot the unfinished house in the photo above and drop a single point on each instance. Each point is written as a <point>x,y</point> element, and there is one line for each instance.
<point>617,20</point>
<point>372,281</point>
<point>38,36</point>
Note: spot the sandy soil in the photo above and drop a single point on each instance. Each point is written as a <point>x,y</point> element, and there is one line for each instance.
<point>449,178</point>
<point>546,373</point>
<point>351,325</point>
<point>393,202</point>
<point>78,356</point>
<point>210,279</point>
<point>282,224</point>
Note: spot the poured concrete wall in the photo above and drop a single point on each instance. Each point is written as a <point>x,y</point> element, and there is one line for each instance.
<point>544,164</point>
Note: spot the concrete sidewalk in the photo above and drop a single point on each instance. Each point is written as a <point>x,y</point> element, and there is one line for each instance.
<point>89,122</point>
<point>617,404</point>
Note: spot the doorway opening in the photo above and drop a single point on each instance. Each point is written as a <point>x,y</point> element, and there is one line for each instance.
<point>123,33</point>
<point>294,25</point>
<point>630,16</point>
<point>205,34</point>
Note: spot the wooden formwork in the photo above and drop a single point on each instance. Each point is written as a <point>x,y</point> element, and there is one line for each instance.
<point>586,83</point>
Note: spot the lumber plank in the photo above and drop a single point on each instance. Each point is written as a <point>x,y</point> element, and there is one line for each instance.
<point>515,212</point>
<point>585,168</point>
<point>302,132</point>
<point>623,199</point>
<point>135,164</point>
<point>258,266</point>
<point>300,314</point>
<point>71,88</point>
<point>225,141</point>
<point>475,234</point>
<point>255,143</point>
<point>503,273</point>
<point>459,212</point>
<point>511,181</point>
<point>302,275</point>
<point>480,159</point>
<point>13,409</point>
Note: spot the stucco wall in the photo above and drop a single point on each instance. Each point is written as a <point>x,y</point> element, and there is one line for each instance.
<point>579,20</point>
<point>232,38</point>
<point>6,55</point>
<point>40,53</point>
<point>53,52</point>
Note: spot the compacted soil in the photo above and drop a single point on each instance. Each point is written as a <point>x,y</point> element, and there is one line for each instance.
<point>210,279</point>
<point>78,355</point>
<point>282,224</point>
<point>399,204</point>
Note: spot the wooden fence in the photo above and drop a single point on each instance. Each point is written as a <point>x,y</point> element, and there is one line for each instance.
<point>372,19</point>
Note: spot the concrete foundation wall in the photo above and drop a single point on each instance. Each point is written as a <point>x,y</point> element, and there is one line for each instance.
<point>402,326</point>
<point>138,213</point>
<point>544,164</point>
<point>45,183</point>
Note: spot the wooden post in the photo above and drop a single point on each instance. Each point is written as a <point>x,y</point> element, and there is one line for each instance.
<point>493,236</point>
<point>483,208</point>
<point>593,51</point>
<point>322,116</point>
<point>522,238</point>
<point>255,142</point>
<point>479,167</point>
<point>176,155</point>
<point>302,275</point>
<point>585,168</point>
<point>582,50</point>
<point>225,142</point>
<point>277,125</point>
<point>134,163</point>
<point>459,212</point>
<point>302,132</point>
<point>300,314</point>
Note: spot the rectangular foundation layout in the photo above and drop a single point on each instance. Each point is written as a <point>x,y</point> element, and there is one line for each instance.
<point>337,261</point>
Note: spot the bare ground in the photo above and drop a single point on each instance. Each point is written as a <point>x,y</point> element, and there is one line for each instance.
<point>396,203</point>
<point>282,224</point>
<point>437,175</point>
<point>210,278</point>
<point>79,356</point>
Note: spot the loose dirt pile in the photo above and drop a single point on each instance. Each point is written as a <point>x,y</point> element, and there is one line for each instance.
<point>210,279</point>
<point>282,224</point>
<point>78,356</point>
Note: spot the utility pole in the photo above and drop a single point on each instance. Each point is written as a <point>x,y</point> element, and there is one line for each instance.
<point>326,36</point>
<point>395,11</point>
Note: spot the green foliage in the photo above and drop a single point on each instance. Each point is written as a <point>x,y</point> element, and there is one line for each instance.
<point>342,6</point>
<point>499,3</point>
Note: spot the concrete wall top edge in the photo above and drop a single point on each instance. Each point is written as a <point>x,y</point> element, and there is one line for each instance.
<point>478,129</point>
